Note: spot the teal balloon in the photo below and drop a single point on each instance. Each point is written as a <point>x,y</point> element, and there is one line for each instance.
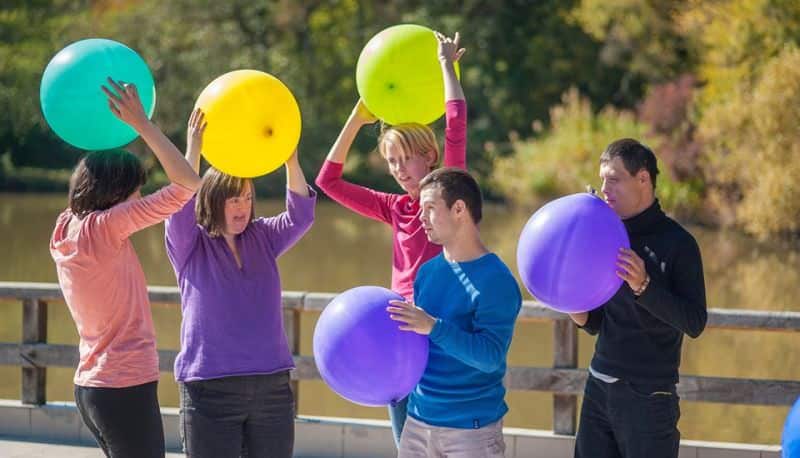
<point>74,105</point>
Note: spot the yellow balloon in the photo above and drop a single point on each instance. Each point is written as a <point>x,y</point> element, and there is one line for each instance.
<point>253,123</point>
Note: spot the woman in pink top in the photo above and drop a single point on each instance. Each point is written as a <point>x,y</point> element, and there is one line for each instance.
<point>411,152</point>
<point>104,286</point>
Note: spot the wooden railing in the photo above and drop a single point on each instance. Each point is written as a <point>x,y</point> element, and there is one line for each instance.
<point>563,379</point>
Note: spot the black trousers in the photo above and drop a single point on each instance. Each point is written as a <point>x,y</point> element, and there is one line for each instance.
<point>626,420</point>
<point>126,422</point>
<point>250,416</point>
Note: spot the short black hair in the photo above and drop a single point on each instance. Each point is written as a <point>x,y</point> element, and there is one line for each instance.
<point>103,179</point>
<point>635,156</point>
<point>456,184</point>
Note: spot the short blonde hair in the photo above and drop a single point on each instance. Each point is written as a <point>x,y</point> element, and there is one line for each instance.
<point>412,138</point>
<point>215,189</point>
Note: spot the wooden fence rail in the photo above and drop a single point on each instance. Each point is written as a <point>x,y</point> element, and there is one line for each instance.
<point>563,379</point>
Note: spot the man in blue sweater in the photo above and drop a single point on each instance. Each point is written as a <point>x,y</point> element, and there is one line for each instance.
<point>466,301</point>
<point>630,406</point>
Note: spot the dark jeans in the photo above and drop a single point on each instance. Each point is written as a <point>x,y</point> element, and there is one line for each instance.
<point>126,422</point>
<point>249,416</point>
<point>397,415</point>
<point>626,420</point>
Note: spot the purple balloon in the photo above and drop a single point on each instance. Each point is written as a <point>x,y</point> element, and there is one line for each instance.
<point>362,354</point>
<point>567,253</point>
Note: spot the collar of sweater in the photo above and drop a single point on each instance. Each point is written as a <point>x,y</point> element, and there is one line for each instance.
<point>645,221</point>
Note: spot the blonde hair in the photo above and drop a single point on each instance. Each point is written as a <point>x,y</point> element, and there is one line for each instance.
<point>412,138</point>
<point>215,189</point>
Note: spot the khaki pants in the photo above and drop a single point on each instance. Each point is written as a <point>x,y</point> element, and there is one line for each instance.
<point>423,440</point>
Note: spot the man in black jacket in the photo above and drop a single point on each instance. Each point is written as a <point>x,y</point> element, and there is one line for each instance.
<point>630,406</point>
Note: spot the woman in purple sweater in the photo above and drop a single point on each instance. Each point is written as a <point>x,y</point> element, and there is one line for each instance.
<point>233,366</point>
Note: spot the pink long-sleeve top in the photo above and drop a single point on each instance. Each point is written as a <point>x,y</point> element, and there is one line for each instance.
<point>410,245</point>
<point>105,288</point>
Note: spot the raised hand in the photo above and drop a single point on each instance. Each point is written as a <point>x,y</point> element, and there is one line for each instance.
<point>449,50</point>
<point>362,114</point>
<point>194,131</point>
<point>125,103</point>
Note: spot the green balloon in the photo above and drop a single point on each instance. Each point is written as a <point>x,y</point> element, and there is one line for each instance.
<point>73,103</point>
<point>399,75</point>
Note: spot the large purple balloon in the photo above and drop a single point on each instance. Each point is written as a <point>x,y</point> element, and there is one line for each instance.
<point>362,354</point>
<point>567,253</point>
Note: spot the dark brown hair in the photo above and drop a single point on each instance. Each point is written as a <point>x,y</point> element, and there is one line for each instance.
<point>216,188</point>
<point>103,179</point>
<point>635,157</point>
<point>456,184</point>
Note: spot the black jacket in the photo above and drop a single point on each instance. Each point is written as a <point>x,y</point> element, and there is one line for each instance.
<point>640,338</point>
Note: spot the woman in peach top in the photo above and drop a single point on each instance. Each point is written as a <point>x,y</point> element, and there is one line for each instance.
<point>104,285</point>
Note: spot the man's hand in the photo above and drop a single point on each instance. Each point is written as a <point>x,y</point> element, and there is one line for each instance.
<point>413,318</point>
<point>631,268</point>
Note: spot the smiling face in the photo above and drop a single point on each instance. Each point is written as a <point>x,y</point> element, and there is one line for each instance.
<point>238,211</point>
<point>224,203</point>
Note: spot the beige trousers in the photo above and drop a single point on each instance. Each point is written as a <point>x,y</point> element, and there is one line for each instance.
<point>423,440</point>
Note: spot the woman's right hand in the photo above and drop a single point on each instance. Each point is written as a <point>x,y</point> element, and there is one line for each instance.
<point>362,114</point>
<point>126,104</point>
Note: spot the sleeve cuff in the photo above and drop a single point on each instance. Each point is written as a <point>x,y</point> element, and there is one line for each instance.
<point>592,324</point>
<point>180,191</point>
<point>438,331</point>
<point>291,195</point>
<point>649,293</point>
<point>456,109</point>
<point>330,168</point>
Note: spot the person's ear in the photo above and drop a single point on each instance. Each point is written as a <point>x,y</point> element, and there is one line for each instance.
<point>459,207</point>
<point>643,177</point>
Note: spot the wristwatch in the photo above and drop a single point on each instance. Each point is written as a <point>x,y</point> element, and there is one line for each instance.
<point>641,289</point>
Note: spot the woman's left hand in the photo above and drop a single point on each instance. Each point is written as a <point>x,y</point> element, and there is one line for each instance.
<point>449,51</point>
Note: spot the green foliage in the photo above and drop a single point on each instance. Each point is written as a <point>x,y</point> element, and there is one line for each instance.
<point>30,33</point>
<point>565,159</point>
<point>748,110</point>
<point>733,39</point>
<point>31,179</point>
<point>520,57</point>
<point>753,146</point>
<point>641,36</point>
<point>713,84</point>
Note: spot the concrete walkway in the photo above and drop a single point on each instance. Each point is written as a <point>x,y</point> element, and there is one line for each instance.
<point>61,433</point>
<point>21,449</point>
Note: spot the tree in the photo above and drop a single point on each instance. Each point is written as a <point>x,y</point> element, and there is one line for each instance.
<point>747,109</point>
<point>752,145</point>
<point>25,51</point>
<point>641,36</point>
<point>565,158</point>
